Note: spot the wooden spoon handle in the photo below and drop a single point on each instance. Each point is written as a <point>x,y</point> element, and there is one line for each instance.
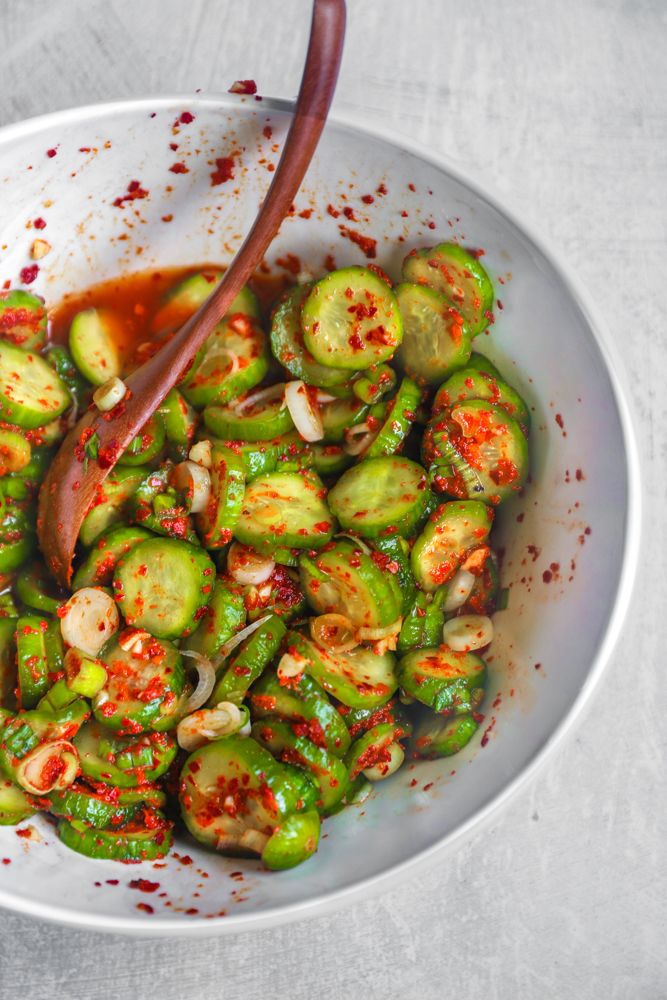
<point>70,484</point>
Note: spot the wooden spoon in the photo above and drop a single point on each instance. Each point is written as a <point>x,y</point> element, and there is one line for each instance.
<point>71,482</point>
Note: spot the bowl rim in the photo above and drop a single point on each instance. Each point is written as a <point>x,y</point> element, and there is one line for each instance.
<point>366,888</point>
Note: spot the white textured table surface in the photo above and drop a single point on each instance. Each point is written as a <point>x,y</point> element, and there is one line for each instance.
<point>563,106</point>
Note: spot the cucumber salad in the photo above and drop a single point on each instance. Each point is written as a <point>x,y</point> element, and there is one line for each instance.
<point>283,590</point>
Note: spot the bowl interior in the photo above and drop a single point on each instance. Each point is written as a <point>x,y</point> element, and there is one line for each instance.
<point>564,540</point>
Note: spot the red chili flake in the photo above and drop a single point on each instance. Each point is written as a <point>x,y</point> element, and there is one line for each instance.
<point>290,262</point>
<point>243,87</point>
<point>547,576</point>
<point>365,243</point>
<point>333,212</point>
<point>28,274</point>
<point>267,132</point>
<point>367,199</point>
<point>538,666</point>
<point>39,223</point>
<point>186,118</point>
<point>51,153</point>
<point>404,214</point>
<point>411,187</point>
<point>579,475</point>
<point>224,170</point>
<point>305,213</point>
<point>330,262</point>
<point>167,218</point>
<point>487,732</point>
<point>179,168</point>
<point>112,881</point>
<point>135,192</point>
<point>381,189</point>
<point>145,907</point>
<point>348,212</point>
<point>143,885</point>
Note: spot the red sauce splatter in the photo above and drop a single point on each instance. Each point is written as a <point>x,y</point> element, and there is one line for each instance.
<point>365,243</point>
<point>28,274</point>
<point>224,170</point>
<point>243,87</point>
<point>143,885</point>
<point>487,732</point>
<point>135,192</point>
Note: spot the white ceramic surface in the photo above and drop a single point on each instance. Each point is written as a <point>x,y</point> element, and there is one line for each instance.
<point>546,339</point>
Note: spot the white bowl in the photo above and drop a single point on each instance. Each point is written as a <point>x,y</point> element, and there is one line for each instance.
<point>548,341</point>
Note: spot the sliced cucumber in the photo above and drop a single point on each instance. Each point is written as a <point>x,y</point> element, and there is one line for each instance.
<point>385,495</point>
<point>399,417</point>
<point>376,383</point>
<point>225,616</point>
<point>183,301</point>
<point>179,419</point>
<point>98,567</point>
<point>142,688</point>
<point>345,580</point>
<point>233,785</point>
<point>132,842</point>
<point>329,771</point>
<point>438,737</point>
<point>145,446</point>
<point>162,585</point>
<point>446,681</point>
<point>293,841</point>
<point>422,626</point>
<point>216,523</point>
<point>257,422</point>
<point>478,450</point>
<point>161,508</point>
<point>247,664</point>
<point>15,805</point>
<point>456,273</point>
<point>330,459</point>
<point>96,809</point>
<point>288,346</point>
<point>123,761</point>
<point>111,502</point>
<point>8,672</point>
<point>233,360</point>
<point>305,704</point>
<point>93,342</point>
<point>351,320</point>
<point>359,678</point>
<point>23,319</point>
<point>40,656</point>
<point>37,589</point>
<point>286,509</point>
<point>15,451</point>
<point>258,457</point>
<point>450,533</point>
<point>375,749</point>
<point>59,358</point>
<point>436,340</point>
<point>470,383</point>
<point>17,536</point>
<point>394,558</point>
<point>339,415</point>
<point>31,391</point>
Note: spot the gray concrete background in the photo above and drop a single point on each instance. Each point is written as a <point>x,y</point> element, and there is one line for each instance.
<point>564,107</point>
